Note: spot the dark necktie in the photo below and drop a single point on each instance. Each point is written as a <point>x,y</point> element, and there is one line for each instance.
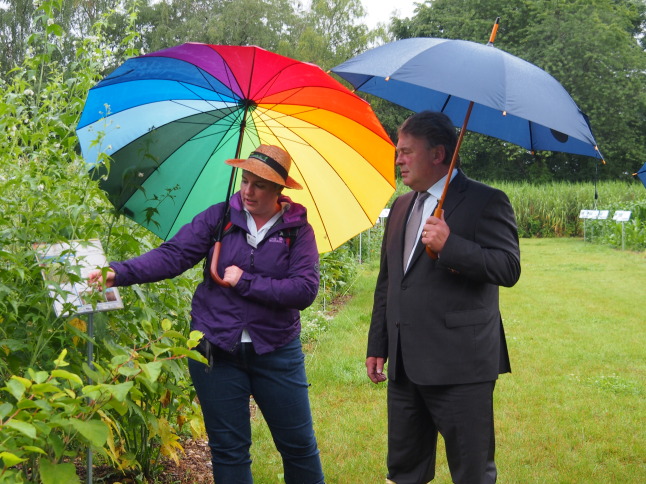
<point>414,221</point>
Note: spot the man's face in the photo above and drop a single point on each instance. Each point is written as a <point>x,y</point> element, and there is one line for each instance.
<point>420,166</point>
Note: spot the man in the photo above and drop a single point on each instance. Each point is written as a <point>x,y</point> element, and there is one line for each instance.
<point>436,320</point>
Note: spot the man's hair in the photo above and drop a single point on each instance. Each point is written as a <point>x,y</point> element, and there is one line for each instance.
<point>436,128</point>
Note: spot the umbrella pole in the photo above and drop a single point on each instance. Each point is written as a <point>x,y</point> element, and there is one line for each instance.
<point>217,246</point>
<point>454,158</point>
<point>440,202</point>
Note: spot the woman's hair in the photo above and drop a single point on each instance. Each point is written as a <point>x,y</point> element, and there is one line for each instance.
<point>436,128</point>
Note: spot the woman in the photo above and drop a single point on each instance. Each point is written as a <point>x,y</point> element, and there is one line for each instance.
<point>251,329</point>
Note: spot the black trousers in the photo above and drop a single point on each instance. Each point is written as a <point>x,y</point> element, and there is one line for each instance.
<point>462,414</point>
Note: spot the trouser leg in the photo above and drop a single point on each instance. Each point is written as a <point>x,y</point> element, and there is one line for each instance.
<point>463,415</point>
<point>280,388</point>
<point>223,391</point>
<point>412,435</point>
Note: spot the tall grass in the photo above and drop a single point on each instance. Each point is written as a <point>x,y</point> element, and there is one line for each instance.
<point>573,409</point>
<point>552,210</point>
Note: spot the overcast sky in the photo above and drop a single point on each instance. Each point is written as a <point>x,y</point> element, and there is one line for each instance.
<point>381,10</point>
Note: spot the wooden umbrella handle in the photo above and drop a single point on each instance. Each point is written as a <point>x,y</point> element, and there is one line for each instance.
<point>213,269</point>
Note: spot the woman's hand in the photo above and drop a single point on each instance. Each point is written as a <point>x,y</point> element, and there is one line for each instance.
<point>95,278</point>
<point>232,275</point>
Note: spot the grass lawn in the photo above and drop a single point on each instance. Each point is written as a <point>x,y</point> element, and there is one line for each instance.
<point>572,411</point>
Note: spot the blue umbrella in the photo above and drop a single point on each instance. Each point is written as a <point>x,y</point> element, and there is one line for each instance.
<point>641,174</point>
<point>488,89</point>
<point>513,100</point>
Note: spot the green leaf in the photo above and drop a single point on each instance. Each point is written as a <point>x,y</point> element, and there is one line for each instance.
<point>25,382</point>
<point>55,29</point>
<point>34,449</point>
<point>196,335</point>
<point>95,431</point>
<point>26,403</point>
<point>72,377</point>
<point>60,361</point>
<point>194,355</point>
<point>159,349</point>
<point>120,391</point>
<point>5,409</point>
<point>147,327</point>
<point>174,335</point>
<point>51,473</point>
<point>10,459</point>
<point>42,388</point>
<point>128,371</point>
<point>152,370</point>
<point>16,388</point>
<point>26,428</point>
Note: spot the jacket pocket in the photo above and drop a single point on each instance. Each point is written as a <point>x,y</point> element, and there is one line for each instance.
<point>471,317</point>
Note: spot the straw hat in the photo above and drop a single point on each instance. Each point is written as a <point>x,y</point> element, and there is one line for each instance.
<point>269,162</point>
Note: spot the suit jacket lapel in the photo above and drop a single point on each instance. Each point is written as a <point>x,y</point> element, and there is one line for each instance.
<point>454,195</point>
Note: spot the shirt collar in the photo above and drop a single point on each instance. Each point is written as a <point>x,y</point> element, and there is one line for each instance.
<point>437,189</point>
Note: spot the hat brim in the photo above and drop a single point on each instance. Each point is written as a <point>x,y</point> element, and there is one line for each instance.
<point>263,171</point>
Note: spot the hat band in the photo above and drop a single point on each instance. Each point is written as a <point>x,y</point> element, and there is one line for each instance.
<point>269,161</point>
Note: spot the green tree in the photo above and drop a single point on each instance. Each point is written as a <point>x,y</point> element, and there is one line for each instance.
<point>265,23</point>
<point>333,32</point>
<point>591,47</point>
<point>70,21</point>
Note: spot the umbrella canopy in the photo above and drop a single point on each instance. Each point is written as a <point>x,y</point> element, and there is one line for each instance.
<point>513,100</point>
<point>641,174</point>
<point>169,119</point>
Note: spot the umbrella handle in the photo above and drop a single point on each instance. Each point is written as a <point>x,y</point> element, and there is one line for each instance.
<point>214,265</point>
<point>438,214</point>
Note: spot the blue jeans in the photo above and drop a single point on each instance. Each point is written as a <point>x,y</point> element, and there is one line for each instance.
<point>279,386</point>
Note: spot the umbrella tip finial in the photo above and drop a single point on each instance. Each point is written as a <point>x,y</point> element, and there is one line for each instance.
<point>494,31</point>
<point>596,148</point>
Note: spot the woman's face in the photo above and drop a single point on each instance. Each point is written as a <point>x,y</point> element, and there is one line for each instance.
<point>259,196</point>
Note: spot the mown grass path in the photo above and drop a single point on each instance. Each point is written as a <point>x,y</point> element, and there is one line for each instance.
<point>572,411</point>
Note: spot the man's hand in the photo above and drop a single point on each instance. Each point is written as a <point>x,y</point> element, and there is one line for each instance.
<point>435,233</point>
<point>375,368</point>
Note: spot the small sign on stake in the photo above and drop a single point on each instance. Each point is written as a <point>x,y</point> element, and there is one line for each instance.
<point>622,216</point>
<point>59,261</point>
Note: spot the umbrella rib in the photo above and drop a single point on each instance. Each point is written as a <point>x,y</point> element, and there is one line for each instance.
<point>222,141</point>
<point>266,87</point>
<point>305,143</point>
<point>446,103</point>
<point>314,127</point>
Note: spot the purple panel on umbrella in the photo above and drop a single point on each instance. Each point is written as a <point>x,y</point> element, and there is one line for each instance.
<point>204,57</point>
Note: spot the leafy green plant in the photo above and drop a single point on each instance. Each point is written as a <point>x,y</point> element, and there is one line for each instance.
<point>49,415</point>
<point>140,396</point>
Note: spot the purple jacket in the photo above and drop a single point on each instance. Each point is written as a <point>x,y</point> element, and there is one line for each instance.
<point>278,280</point>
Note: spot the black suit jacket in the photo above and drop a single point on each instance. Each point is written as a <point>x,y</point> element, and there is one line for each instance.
<point>444,314</point>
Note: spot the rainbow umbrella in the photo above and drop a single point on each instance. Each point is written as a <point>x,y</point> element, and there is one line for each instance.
<point>157,130</point>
